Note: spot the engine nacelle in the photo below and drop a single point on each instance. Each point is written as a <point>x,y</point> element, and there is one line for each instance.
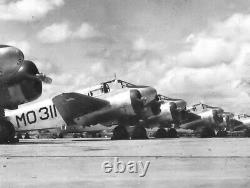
<point>129,102</point>
<point>21,87</point>
<point>11,59</point>
<point>212,116</point>
<point>151,101</point>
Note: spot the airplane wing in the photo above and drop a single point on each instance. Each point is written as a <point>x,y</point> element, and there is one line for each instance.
<point>84,110</point>
<point>73,105</point>
<point>237,125</point>
<point>196,124</point>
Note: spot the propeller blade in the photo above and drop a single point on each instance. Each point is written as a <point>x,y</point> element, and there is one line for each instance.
<point>44,78</point>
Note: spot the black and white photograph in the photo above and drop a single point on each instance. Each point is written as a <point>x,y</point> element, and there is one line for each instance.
<point>124,93</point>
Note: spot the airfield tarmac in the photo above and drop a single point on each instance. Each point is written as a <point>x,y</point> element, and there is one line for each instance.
<point>180,162</point>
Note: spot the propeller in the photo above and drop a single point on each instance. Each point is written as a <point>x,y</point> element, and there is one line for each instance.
<point>29,68</point>
<point>136,100</point>
<point>44,78</point>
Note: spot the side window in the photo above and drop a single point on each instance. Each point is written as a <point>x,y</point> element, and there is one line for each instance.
<point>105,88</point>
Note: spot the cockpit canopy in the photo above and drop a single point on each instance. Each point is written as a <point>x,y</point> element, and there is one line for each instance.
<point>106,87</point>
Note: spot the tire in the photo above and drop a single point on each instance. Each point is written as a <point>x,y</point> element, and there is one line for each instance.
<point>26,136</point>
<point>60,135</point>
<point>19,136</point>
<point>7,131</point>
<point>221,134</point>
<point>172,133</point>
<point>120,133</point>
<point>207,132</point>
<point>139,133</point>
<point>161,133</point>
<point>247,133</point>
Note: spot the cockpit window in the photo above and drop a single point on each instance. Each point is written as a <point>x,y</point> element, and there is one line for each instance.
<point>121,82</point>
<point>105,88</point>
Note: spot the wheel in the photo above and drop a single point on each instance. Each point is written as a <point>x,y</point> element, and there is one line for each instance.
<point>139,132</point>
<point>120,133</point>
<point>161,133</point>
<point>60,135</point>
<point>19,136</point>
<point>247,133</point>
<point>13,140</point>
<point>172,133</point>
<point>207,132</point>
<point>26,136</point>
<point>7,131</point>
<point>54,136</point>
<point>221,133</point>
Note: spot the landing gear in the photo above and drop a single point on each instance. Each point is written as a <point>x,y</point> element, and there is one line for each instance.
<point>7,132</point>
<point>120,133</point>
<point>206,132</point>
<point>221,133</point>
<point>19,136</point>
<point>60,135</point>
<point>247,133</point>
<point>139,133</point>
<point>13,140</point>
<point>163,133</point>
<point>172,133</point>
<point>26,136</point>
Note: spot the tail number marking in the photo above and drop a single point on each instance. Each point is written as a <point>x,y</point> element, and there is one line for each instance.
<point>31,116</point>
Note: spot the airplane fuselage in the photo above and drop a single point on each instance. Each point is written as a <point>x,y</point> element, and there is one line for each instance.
<point>51,114</point>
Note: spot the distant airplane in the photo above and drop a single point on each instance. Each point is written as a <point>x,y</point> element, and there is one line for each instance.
<point>112,101</point>
<point>240,122</point>
<point>210,121</point>
<point>203,119</point>
<point>20,82</point>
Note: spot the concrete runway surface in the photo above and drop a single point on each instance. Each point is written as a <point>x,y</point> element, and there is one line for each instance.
<point>181,162</point>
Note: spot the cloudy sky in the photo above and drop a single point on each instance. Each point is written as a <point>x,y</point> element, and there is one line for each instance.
<point>195,50</point>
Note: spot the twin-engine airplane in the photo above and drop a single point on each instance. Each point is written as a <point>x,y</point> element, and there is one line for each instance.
<point>20,82</point>
<point>211,121</point>
<point>115,101</point>
<point>204,120</point>
<point>240,122</point>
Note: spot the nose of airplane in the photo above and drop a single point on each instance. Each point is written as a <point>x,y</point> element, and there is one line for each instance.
<point>217,116</point>
<point>136,101</point>
<point>10,59</point>
<point>29,68</point>
<point>174,112</point>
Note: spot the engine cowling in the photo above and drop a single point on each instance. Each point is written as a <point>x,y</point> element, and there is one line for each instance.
<point>21,87</point>
<point>136,101</point>
<point>11,59</point>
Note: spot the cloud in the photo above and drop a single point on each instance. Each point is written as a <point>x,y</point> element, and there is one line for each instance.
<point>86,31</point>
<point>59,32</point>
<point>214,65</point>
<point>206,51</point>
<point>141,44</point>
<point>54,33</point>
<point>27,10</point>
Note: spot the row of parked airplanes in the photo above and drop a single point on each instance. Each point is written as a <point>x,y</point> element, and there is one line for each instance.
<point>133,108</point>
